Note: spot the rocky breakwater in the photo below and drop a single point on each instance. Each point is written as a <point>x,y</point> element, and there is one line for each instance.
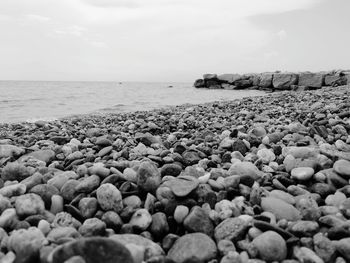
<point>263,179</point>
<point>275,81</point>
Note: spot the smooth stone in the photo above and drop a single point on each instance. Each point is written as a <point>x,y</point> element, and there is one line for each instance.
<point>57,204</point>
<point>152,248</point>
<point>180,213</point>
<point>198,221</point>
<point>182,185</point>
<point>247,172</point>
<point>231,228</point>
<point>141,219</point>
<point>93,250</point>
<point>29,204</point>
<point>302,173</point>
<point>148,177</point>
<point>43,155</point>
<point>68,191</point>
<point>280,208</point>
<point>271,246</point>
<point>195,246</point>
<point>225,247</point>
<point>283,196</point>
<point>59,233</point>
<point>45,191</point>
<point>88,184</point>
<point>8,217</point>
<point>342,167</point>
<point>88,206</point>
<point>109,198</point>
<point>336,199</point>
<point>159,227</point>
<point>172,169</point>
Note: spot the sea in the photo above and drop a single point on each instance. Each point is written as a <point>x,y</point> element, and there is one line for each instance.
<point>29,101</point>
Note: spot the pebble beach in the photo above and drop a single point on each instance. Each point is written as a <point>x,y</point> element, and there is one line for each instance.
<point>260,179</point>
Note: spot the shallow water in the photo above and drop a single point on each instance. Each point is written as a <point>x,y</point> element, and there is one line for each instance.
<point>34,100</point>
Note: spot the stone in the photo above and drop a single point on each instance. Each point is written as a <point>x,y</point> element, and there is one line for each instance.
<point>93,250</point>
<point>312,80</point>
<point>271,246</point>
<point>324,248</point>
<point>13,190</point>
<point>88,206</point>
<point>20,239</point>
<point>45,191</point>
<point>304,228</point>
<point>152,248</point>
<point>141,219</point>
<point>171,169</point>
<point>225,246</point>
<point>228,78</point>
<point>182,185</point>
<point>191,157</point>
<point>246,171</point>
<point>308,207</point>
<point>336,199</point>
<point>43,155</point>
<point>8,217</point>
<point>304,254</point>
<point>180,213</point>
<point>109,198</point>
<point>266,80</point>
<point>342,167</point>
<point>266,155</point>
<point>198,221</point>
<point>302,173</point>
<point>15,171</point>
<point>59,234</point>
<point>280,208</point>
<point>7,150</point>
<point>284,81</point>
<point>283,196</point>
<point>195,246</point>
<point>159,227</point>
<point>231,229</point>
<point>199,83</point>
<point>148,177</point>
<point>29,204</point>
<point>239,146</point>
<point>343,247</point>
<point>88,184</point>
<point>92,227</point>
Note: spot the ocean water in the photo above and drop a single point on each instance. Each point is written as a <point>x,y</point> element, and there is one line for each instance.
<point>43,100</point>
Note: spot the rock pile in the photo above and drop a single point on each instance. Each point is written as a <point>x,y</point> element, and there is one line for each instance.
<point>274,81</point>
<point>263,179</point>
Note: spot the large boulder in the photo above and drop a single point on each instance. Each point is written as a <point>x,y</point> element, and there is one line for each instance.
<point>228,78</point>
<point>284,81</point>
<point>210,76</point>
<point>199,83</point>
<point>336,79</point>
<point>266,80</point>
<point>311,80</point>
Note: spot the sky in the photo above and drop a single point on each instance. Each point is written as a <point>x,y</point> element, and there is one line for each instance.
<point>169,40</point>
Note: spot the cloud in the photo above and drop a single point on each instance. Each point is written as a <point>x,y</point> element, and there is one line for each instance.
<point>282,34</point>
<point>38,18</point>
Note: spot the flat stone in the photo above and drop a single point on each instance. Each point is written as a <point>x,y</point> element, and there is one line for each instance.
<point>93,250</point>
<point>182,185</point>
<point>271,246</point>
<point>280,208</point>
<point>302,173</point>
<point>342,167</point>
<point>233,229</point>
<point>304,254</point>
<point>7,150</point>
<point>193,246</point>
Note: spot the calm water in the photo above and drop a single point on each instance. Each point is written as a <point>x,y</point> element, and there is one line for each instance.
<point>33,100</point>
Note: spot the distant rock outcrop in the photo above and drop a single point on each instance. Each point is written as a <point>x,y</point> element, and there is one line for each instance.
<point>275,80</point>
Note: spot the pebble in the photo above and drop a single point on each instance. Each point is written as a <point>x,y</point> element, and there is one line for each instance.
<point>280,208</point>
<point>195,246</point>
<point>302,173</point>
<point>232,229</point>
<point>342,167</point>
<point>141,219</point>
<point>148,177</point>
<point>109,198</point>
<point>180,213</point>
<point>29,204</point>
<point>198,221</point>
<point>182,185</point>
<point>271,246</point>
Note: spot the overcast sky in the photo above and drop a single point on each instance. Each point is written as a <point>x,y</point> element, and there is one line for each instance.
<point>169,40</point>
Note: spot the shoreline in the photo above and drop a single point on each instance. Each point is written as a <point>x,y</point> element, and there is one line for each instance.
<point>259,178</point>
